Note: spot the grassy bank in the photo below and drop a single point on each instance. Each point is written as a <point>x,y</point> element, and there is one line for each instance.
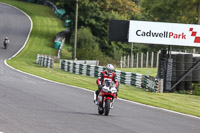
<point>45,26</point>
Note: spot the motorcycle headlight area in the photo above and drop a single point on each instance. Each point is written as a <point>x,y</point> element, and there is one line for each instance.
<point>105,90</point>
<point>109,90</point>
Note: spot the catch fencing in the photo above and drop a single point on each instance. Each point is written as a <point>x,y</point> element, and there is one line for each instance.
<point>44,60</point>
<point>142,81</point>
<point>148,59</point>
<point>140,60</point>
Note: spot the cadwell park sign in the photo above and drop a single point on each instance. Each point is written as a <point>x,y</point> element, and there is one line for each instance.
<point>171,34</point>
<point>164,33</point>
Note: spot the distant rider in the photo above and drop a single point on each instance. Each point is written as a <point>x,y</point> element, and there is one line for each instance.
<point>6,42</point>
<point>108,73</point>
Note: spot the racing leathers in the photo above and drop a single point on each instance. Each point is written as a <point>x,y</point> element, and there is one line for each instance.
<point>104,75</point>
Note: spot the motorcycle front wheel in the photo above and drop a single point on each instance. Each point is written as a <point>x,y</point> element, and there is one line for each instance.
<point>100,110</point>
<point>107,107</point>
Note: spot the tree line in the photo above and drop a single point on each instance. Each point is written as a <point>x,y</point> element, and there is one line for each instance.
<point>94,16</point>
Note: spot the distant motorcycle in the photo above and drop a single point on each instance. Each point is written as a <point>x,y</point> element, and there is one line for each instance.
<point>106,97</point>
<point>6,43</point>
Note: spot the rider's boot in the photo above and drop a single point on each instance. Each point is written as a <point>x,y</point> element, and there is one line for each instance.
<point>94,97</point>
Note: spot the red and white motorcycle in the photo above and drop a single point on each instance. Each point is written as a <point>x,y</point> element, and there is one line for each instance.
<point>106,97</point>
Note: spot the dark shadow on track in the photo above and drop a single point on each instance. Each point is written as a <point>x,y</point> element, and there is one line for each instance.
<point>90,114</point>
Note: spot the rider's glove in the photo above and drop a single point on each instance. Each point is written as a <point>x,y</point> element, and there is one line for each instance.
<point>99,87</point>
<point>117,89</point>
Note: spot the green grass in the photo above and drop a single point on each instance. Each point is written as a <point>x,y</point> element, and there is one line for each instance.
<point>66,52</point>
<point>46,25</point>
<point>145,71</point>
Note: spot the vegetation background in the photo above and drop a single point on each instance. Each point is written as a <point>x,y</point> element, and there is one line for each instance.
<point>94,16</point>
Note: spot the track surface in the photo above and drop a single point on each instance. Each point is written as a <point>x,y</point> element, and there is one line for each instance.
<point>32,105</point>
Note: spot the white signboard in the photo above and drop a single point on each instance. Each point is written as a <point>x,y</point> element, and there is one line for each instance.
<point>164,33</point>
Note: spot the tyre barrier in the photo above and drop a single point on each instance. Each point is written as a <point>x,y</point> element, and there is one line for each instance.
<point>181,63</point>
<point>44,60</point>
<point>138,80</point>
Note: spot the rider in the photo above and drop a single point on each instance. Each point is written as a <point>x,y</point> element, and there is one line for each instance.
<point>108,73</point>
<point>6,41</point>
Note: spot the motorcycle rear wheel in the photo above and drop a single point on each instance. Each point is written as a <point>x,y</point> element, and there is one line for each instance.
<point>107,107</point>
<point>5,46</point>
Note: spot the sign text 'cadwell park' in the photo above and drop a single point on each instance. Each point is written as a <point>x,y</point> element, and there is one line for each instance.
<point>164,33</point>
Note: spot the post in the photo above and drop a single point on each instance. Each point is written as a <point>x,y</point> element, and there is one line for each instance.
<point>168,75</point>
<point>137,61</point>
<point>157,62</point>
<point>128,62</point>
<point>75,34</point>
<point>141,60</point>
<point>124,61</point>
<point>121,61</point>
<point>147,60</point>
<point>185,51</point>
<point>131,64</point>
<point>152,57</point>
<point>160,86</point>
<point>133,60</point>
<point>194,51</point>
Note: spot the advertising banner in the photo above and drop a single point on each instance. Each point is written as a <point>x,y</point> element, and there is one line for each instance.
<point>164,33</point>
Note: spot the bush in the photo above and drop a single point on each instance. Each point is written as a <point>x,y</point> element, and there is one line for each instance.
<point>196,90</point>
<point>87,47</point>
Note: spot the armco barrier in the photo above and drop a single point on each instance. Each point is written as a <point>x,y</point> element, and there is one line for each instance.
<point>44,60</point>
<point>141,81</point>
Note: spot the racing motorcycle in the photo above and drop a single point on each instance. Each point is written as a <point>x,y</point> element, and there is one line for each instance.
<point>106,97</point>
<point>6,43</point>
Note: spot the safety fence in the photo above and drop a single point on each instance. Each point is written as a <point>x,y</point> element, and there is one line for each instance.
<point>140,60</point>
<point>44,60</point>
<point>148,59</point>
<point>142,81</point>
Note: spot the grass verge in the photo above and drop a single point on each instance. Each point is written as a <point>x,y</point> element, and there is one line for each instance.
<point>45,26</point>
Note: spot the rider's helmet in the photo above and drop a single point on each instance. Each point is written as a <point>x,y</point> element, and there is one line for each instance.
<point>6,38</point>
<point>110,68</point>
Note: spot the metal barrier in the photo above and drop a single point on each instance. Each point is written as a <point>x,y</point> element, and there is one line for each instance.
<point>142,81</point>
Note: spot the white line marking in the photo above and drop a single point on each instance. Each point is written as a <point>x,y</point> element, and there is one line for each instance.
<point>93,92</point>
<point>28,33</point>
<point>85,88</point>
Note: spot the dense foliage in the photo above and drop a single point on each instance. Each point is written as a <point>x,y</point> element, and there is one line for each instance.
<point>95,15</point>
<point>179,11</point>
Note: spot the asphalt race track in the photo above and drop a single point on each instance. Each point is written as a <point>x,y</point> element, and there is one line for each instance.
<point>32,105</point>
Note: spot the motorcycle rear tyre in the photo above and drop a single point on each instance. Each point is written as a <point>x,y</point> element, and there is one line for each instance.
<point>5,46</point>
<point>107,107</point>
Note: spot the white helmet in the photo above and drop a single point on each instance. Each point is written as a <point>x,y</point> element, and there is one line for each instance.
<point>6,38</point>
<point>110,68</point>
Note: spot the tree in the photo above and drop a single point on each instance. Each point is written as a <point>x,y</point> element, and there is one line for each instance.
<point>198,10</point>
<point>122,7</point>
<point>180,11</point>
<point>96,14</point>
<point>87,48</point>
